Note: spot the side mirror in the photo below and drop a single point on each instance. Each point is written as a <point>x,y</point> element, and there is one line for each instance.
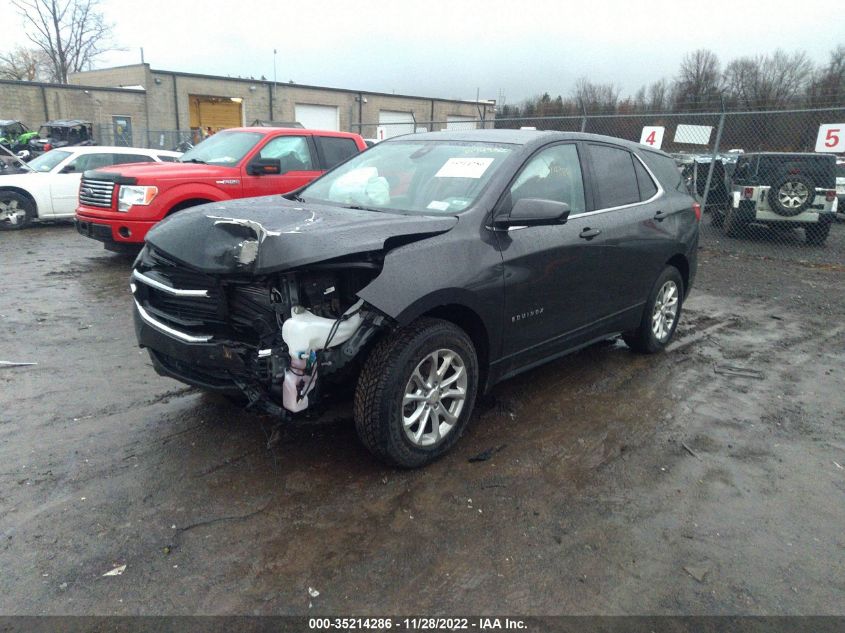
<point>537,212</point>
<point>265,167</point>
<point>67,169</point>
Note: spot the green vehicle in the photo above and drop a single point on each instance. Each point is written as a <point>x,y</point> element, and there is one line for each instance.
<point>14,135</point>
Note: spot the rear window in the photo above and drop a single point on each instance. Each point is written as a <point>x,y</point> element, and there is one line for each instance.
<point>666,170</point>
<point>335,150</point>
<point>647,186</point>
<point>616,180</point>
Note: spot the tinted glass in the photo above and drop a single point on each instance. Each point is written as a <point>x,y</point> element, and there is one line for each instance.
<point>667,171</point>
<point>292,152</point>
<point>616,181</point>
<point>122,159</point>
<point>335,150</point>
<point>647,186</point>
<point>91,161</point>
<point>552,174</point>
<point>427,177</point>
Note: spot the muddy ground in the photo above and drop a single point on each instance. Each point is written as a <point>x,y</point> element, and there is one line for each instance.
<point>618,483</point>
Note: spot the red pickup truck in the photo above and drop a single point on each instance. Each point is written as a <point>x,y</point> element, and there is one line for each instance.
<point>118,205</point>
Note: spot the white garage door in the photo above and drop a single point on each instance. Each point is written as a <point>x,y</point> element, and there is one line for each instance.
<point>395,123</point>
<point>317,117</point>
<point>458,122</point>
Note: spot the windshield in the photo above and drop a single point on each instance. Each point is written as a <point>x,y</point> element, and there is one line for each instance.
<point>47,161</point>
<point>440,177</point>
<point>223,148</point>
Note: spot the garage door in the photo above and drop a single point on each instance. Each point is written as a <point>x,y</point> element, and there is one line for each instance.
<point>395,123</point>
<point>317,117</point>
<point>458,122</point>
<point>218,113</point>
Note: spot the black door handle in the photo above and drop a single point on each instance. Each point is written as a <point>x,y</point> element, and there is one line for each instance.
<point>589,233</point>
<point>660,216</point>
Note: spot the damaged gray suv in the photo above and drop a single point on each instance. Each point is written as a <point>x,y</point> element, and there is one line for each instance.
<point>418,274</point>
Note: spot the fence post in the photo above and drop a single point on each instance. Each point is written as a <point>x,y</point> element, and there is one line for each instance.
<point>713,159</point>
<point>583,117</point>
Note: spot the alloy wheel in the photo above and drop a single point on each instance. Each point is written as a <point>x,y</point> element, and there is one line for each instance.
<point>665,311</point>
<point>434,397</point>
<point>793,194</point>
<point>11,212</point>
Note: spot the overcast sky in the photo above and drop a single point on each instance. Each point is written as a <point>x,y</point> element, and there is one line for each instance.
<point>448,49</point>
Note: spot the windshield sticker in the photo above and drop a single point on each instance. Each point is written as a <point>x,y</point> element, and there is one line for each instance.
<point>464,168</point>
<point>437,205</point>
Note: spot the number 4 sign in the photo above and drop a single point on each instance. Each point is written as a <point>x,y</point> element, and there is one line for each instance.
<point>652,135</point>
<point>831,138</point>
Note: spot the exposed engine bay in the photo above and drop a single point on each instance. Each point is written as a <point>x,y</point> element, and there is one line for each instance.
<point>282,340</point>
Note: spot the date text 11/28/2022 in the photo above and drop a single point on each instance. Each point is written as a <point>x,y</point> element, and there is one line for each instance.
<point>417,624</point>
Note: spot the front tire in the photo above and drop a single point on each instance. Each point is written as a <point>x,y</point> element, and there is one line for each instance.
<point>416,392</point>
<point>16,211</point>
<point>661,314</point>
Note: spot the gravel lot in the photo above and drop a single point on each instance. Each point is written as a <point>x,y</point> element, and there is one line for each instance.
<point>618,483</point>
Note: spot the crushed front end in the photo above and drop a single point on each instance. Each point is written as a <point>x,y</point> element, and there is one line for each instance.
<point>284,340</point>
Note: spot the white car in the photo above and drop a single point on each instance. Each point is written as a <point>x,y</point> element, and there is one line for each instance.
<point>49,191</point>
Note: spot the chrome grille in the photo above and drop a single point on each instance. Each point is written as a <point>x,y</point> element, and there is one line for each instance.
<point>96,193</point>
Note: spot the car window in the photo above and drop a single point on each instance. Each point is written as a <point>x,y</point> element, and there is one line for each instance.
<point>552,174</point>
<point>292,152</point>
<point>335,150</point>
<point>48,160</point>
<point>123,159</point>
<point>647,186</point>
<point>84,162</point>
<point>615,178</point>
<point>425,177</point>
<point>668,171</point>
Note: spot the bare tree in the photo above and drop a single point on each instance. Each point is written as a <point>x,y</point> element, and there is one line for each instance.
<point>596,98</point>
<point>767,80</point>
<point>828,84</point>
<point>71,33</point>
<point>24,64</point>
<point>658,96</point>
<point>698,81</point>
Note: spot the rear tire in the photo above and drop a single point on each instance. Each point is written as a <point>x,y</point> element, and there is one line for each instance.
<point>816,234</point>
<point>16,211</point>
<point>665,300</point>
<point>406,414</point>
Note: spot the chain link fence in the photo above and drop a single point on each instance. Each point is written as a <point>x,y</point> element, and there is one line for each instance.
<point>764,190</point>
<point>761,197</point>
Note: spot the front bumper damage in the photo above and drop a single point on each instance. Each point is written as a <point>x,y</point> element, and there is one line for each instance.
<point>283,370</point>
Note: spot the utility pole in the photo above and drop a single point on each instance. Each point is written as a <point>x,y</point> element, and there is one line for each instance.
<point>274,80</point>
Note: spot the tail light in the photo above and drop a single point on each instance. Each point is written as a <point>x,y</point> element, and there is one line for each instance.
<point>47,147</point>
<point>830,195</point>
<point>697,210</point>
<point>748,193</point>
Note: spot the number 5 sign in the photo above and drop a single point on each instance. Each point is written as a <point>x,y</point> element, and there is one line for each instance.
<point>652,135</point>
<point>831,138</point>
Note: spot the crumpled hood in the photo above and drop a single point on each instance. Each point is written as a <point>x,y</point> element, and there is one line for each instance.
<point>270,234</point>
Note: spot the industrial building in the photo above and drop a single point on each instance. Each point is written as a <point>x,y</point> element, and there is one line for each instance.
<point>138,105</point>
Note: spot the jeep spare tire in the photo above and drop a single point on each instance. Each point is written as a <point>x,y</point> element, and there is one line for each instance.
<point>791,195</point>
